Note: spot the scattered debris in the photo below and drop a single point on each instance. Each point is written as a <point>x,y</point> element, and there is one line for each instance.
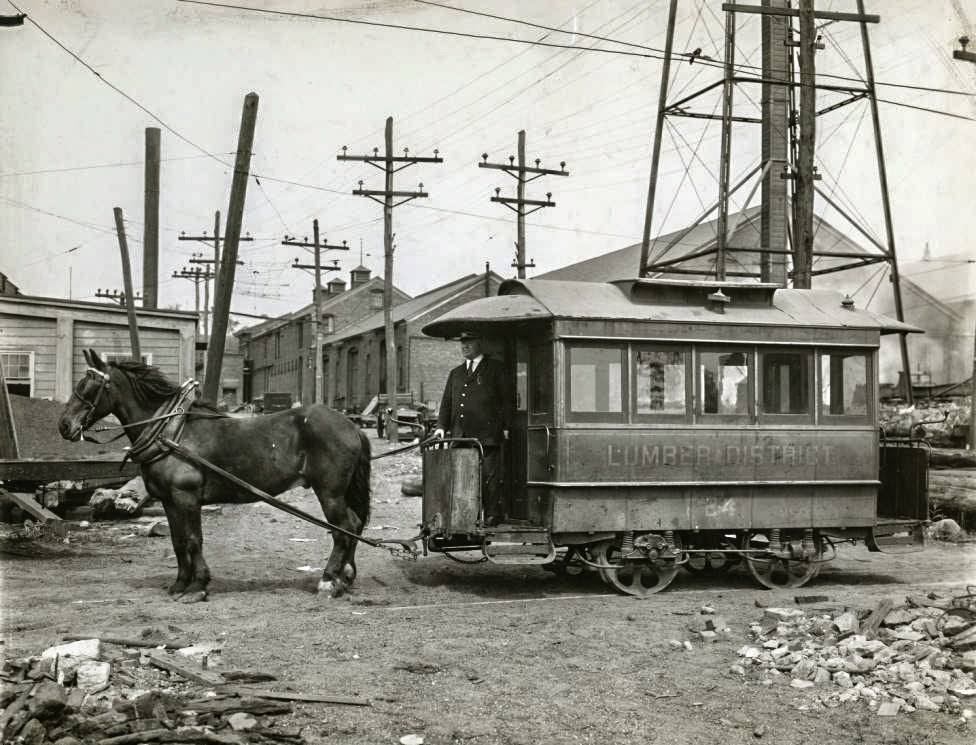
<point>126,501</point>
<point>919,655</point>
<point>125,703</point>
<point>810,599</point>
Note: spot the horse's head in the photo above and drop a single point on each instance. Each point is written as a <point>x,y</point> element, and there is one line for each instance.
<point>91,399</point>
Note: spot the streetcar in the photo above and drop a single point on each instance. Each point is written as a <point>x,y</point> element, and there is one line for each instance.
<point>662,424</point>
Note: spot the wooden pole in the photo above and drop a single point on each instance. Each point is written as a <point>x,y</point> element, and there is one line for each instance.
<point>196,296</point>
<point>130,298</point>
<point>658,132</point>
<point>150,230</point>
<point>803,250</point>
<point>8,432</point>
<point>228,266</point>
<point>316,314</point>
<point>886,205</point>
<point>520,248</point>
<point>206,302</point>
<point>391,361</point>
<point>725,157</point>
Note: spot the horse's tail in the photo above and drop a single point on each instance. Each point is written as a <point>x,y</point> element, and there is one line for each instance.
<point>358,495</point>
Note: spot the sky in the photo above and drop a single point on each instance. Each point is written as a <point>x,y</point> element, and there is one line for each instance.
<point>71,146</point>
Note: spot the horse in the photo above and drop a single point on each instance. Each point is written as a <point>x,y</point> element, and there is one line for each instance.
<point>311,446</point>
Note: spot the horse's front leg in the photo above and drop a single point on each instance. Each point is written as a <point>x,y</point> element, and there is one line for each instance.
<point>183,513</point>
<point>340,570</point>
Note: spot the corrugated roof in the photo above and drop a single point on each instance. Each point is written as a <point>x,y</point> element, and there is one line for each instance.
<point>634,300</point>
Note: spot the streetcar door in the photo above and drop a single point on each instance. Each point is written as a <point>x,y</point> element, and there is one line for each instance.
<point>540,433</point>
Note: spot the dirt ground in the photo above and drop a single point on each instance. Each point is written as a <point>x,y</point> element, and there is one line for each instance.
<point>468,654</point>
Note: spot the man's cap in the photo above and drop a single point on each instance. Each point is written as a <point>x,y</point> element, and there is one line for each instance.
<point>468,335</point>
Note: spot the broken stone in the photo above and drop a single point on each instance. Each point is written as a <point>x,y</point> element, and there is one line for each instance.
<point>805,669</point>
<point>962,689</point>
<point>707,610</point>
<point>157,529</point>
<point>889,709</point>
<point>708,636</point>
<point>965,640</point>
<point>779,615</point>
<point>748,652</point>
<point>88,649</point>
<point>898,617</point>
<point>835,664</point>
<point>905,633</point>
<point>241,721</point>
<point>822,676</point>
<point>93,674</point>
<point>968,661</point>
<point>675,644</point>
<point>49,700</point>
<point>737,670</point>
<point>843,679</point>
<point>797,683</point>
<point>687,645</point>
<point>954,624</point>
<point>780,652</point>
<point>32,733</point>
<point>847,623</point>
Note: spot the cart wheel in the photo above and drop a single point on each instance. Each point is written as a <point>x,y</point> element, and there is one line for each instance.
<point>637,576</point>
<point>777,573</point>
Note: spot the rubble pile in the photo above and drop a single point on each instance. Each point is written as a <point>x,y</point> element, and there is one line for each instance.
<point>126,501</point>
<point>920,655</point>
<point>71,694</point>
<point>943,420</point>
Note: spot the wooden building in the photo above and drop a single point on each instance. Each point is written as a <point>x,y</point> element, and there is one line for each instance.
<point>41,341</point>
<point>277,355</point>
<point>355,369</point>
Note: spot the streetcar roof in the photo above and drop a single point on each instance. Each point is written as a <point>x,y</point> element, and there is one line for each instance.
<point>662,301</point>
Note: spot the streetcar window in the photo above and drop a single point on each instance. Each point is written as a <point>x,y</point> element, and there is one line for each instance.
<point>785,382</point>
<point>540,379</point>
<point>660,381</point>
<point>724,380</point>
<point>844,383</point>
<point>596,380</point>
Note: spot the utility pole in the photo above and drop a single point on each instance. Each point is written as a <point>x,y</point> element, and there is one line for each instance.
<point>198,259</point>
<point>228,265</point>
<point>150,230</point>
<point>317,247</point>
<point>389,164</point>
<point>803,184</point>
<point>518,172</point>
<point>116,295</point>
<point>127,283</point>
<point>962,54</point>
<point>196,275</point>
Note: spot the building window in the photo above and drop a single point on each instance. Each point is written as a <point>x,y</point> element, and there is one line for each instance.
<point>724,383</point>
<point>401,366</point>
<point>277,345</point>
<point>145,357</point>
<point>540,379</point>
<point>659,381</point>
<point>596,382</point>
<point>301,334</point>
<point>328,324</point>
<point>18,372</point>
<point>785,380</point>
<point>376,299</point>
<point>844,384</point>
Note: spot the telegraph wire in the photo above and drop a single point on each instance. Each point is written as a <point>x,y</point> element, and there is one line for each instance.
<point>95,166</point>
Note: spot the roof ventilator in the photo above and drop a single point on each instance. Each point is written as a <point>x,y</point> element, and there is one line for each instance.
<point>847,303</point>
<point>717,301</point>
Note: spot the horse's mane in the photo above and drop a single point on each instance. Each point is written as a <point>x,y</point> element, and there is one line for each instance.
<point>149,384</point>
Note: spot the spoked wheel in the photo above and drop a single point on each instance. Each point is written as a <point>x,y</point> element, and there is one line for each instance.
<point>775,572</point>
<point>638,575</point>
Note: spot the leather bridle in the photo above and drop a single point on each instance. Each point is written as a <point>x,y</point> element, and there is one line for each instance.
<point>103,383</point>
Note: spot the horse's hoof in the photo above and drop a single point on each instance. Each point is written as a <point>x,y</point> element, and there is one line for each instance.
<point>177,588</point>
<point>331,588</point>
<point>195,596</point>
<point>349,571</point>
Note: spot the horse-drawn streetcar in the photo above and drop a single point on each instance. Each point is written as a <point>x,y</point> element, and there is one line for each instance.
<point>654,425</point>
<point>659,424</point>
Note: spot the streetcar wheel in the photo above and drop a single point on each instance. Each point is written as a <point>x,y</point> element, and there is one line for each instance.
<point>640,577</point>
<point>776,573</point>
<point>714,562</point>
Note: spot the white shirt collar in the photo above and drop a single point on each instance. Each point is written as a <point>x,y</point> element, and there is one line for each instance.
<point>472,364</point>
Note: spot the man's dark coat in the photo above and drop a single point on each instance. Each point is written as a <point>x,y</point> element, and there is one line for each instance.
<point>476,405</point>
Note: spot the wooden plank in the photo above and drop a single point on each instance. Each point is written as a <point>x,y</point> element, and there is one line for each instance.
<point>8,433</point>
<point>46,471</point>
<point>316,698</point>
<point>871,624</point>
<point>198,675</point>
<point>142,643</point>
<point>27,504</point>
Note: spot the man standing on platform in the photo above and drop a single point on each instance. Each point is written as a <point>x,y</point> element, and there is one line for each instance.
<point>476,404</point>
